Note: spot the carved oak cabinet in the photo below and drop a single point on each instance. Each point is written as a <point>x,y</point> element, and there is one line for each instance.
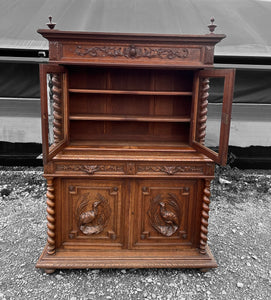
<point>128,173</point>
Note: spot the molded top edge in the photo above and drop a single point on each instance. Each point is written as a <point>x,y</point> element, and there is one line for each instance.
<point>81,35</point>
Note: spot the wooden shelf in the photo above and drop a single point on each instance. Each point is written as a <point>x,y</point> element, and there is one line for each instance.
<point>137,118</point>
<point>131,144</point>
<point>130,92</point>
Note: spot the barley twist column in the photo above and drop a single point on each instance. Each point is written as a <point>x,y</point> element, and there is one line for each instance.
<point>204,217</point>
<point>57,107</point>
<point>50,216</point>
<point>204,87</point>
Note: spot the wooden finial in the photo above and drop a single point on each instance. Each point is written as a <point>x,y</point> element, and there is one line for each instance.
<point>212,26</point>
<point>51,25</point>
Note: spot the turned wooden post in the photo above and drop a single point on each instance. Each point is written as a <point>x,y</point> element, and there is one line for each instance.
<point>57,107</point>
<point>50,216</point>
<point>204,217</point>
<point>202,118</point>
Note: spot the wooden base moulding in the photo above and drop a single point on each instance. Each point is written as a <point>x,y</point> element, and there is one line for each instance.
<point>126,259</point>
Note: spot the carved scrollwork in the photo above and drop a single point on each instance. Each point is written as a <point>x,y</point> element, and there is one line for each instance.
<point>92,215</point>
<point>133,52</point>
<point>165,214</point>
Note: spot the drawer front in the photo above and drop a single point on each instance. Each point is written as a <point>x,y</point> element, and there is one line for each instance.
<point>133,52</point>
<point>91,168</point>
<point>166,214</point>
<point>173,169</point>
<point>91,214</point>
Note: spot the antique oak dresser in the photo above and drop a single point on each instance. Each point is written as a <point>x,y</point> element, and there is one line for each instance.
<point>128,172</point>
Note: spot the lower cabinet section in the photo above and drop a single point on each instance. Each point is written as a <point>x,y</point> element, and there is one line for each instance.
<point>127,223</point>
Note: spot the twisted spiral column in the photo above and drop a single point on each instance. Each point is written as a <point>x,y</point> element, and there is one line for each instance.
<point>202,118</point>
<point>57,107</point>
<point>204,217</point>
<point>50,216</point>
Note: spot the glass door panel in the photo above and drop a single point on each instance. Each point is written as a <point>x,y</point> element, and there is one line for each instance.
<point>211,135</point>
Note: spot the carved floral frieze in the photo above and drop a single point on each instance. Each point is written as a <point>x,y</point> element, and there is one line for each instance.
<point>132,52</point>
<point>131,169</point>
<point>169,170</point>
<point>92,169</point>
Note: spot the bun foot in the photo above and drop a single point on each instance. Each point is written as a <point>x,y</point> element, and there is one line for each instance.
<point>204,270</point>
<point>49,271</point>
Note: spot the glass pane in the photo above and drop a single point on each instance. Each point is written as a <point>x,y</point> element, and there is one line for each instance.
<point>50,109</point>
<point>214,113</point>
<point>55,108</point>
<point>210,111</point>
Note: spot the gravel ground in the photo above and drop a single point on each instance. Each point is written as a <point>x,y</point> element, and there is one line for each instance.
<point>239,236</point>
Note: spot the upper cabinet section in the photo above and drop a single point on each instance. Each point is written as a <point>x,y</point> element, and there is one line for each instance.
<point>143,50</point>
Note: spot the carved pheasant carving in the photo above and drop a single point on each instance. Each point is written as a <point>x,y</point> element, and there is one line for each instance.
<point>169,217</point>
<point>94,220</point>
<point>89,216</point>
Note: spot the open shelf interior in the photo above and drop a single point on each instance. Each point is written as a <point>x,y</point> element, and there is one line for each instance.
<point>122,107</point>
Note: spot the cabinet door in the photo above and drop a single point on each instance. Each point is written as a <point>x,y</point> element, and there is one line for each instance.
<point>200,110</point>
<point>90,214</point>
<point>166,214</point>
<point>53,79</point>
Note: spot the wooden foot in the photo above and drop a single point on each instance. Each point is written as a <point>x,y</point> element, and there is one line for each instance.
<point>49,271</point>
<point>204,270</point>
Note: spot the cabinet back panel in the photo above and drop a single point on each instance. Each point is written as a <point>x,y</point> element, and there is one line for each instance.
<point>87,78</point>
<point>130,79</point>
<point>135,131</point>
<point>130,105</point>
<point>126,79</point>
<point>172,106</point>
<point>83,104</point>
<point>173,80</point>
